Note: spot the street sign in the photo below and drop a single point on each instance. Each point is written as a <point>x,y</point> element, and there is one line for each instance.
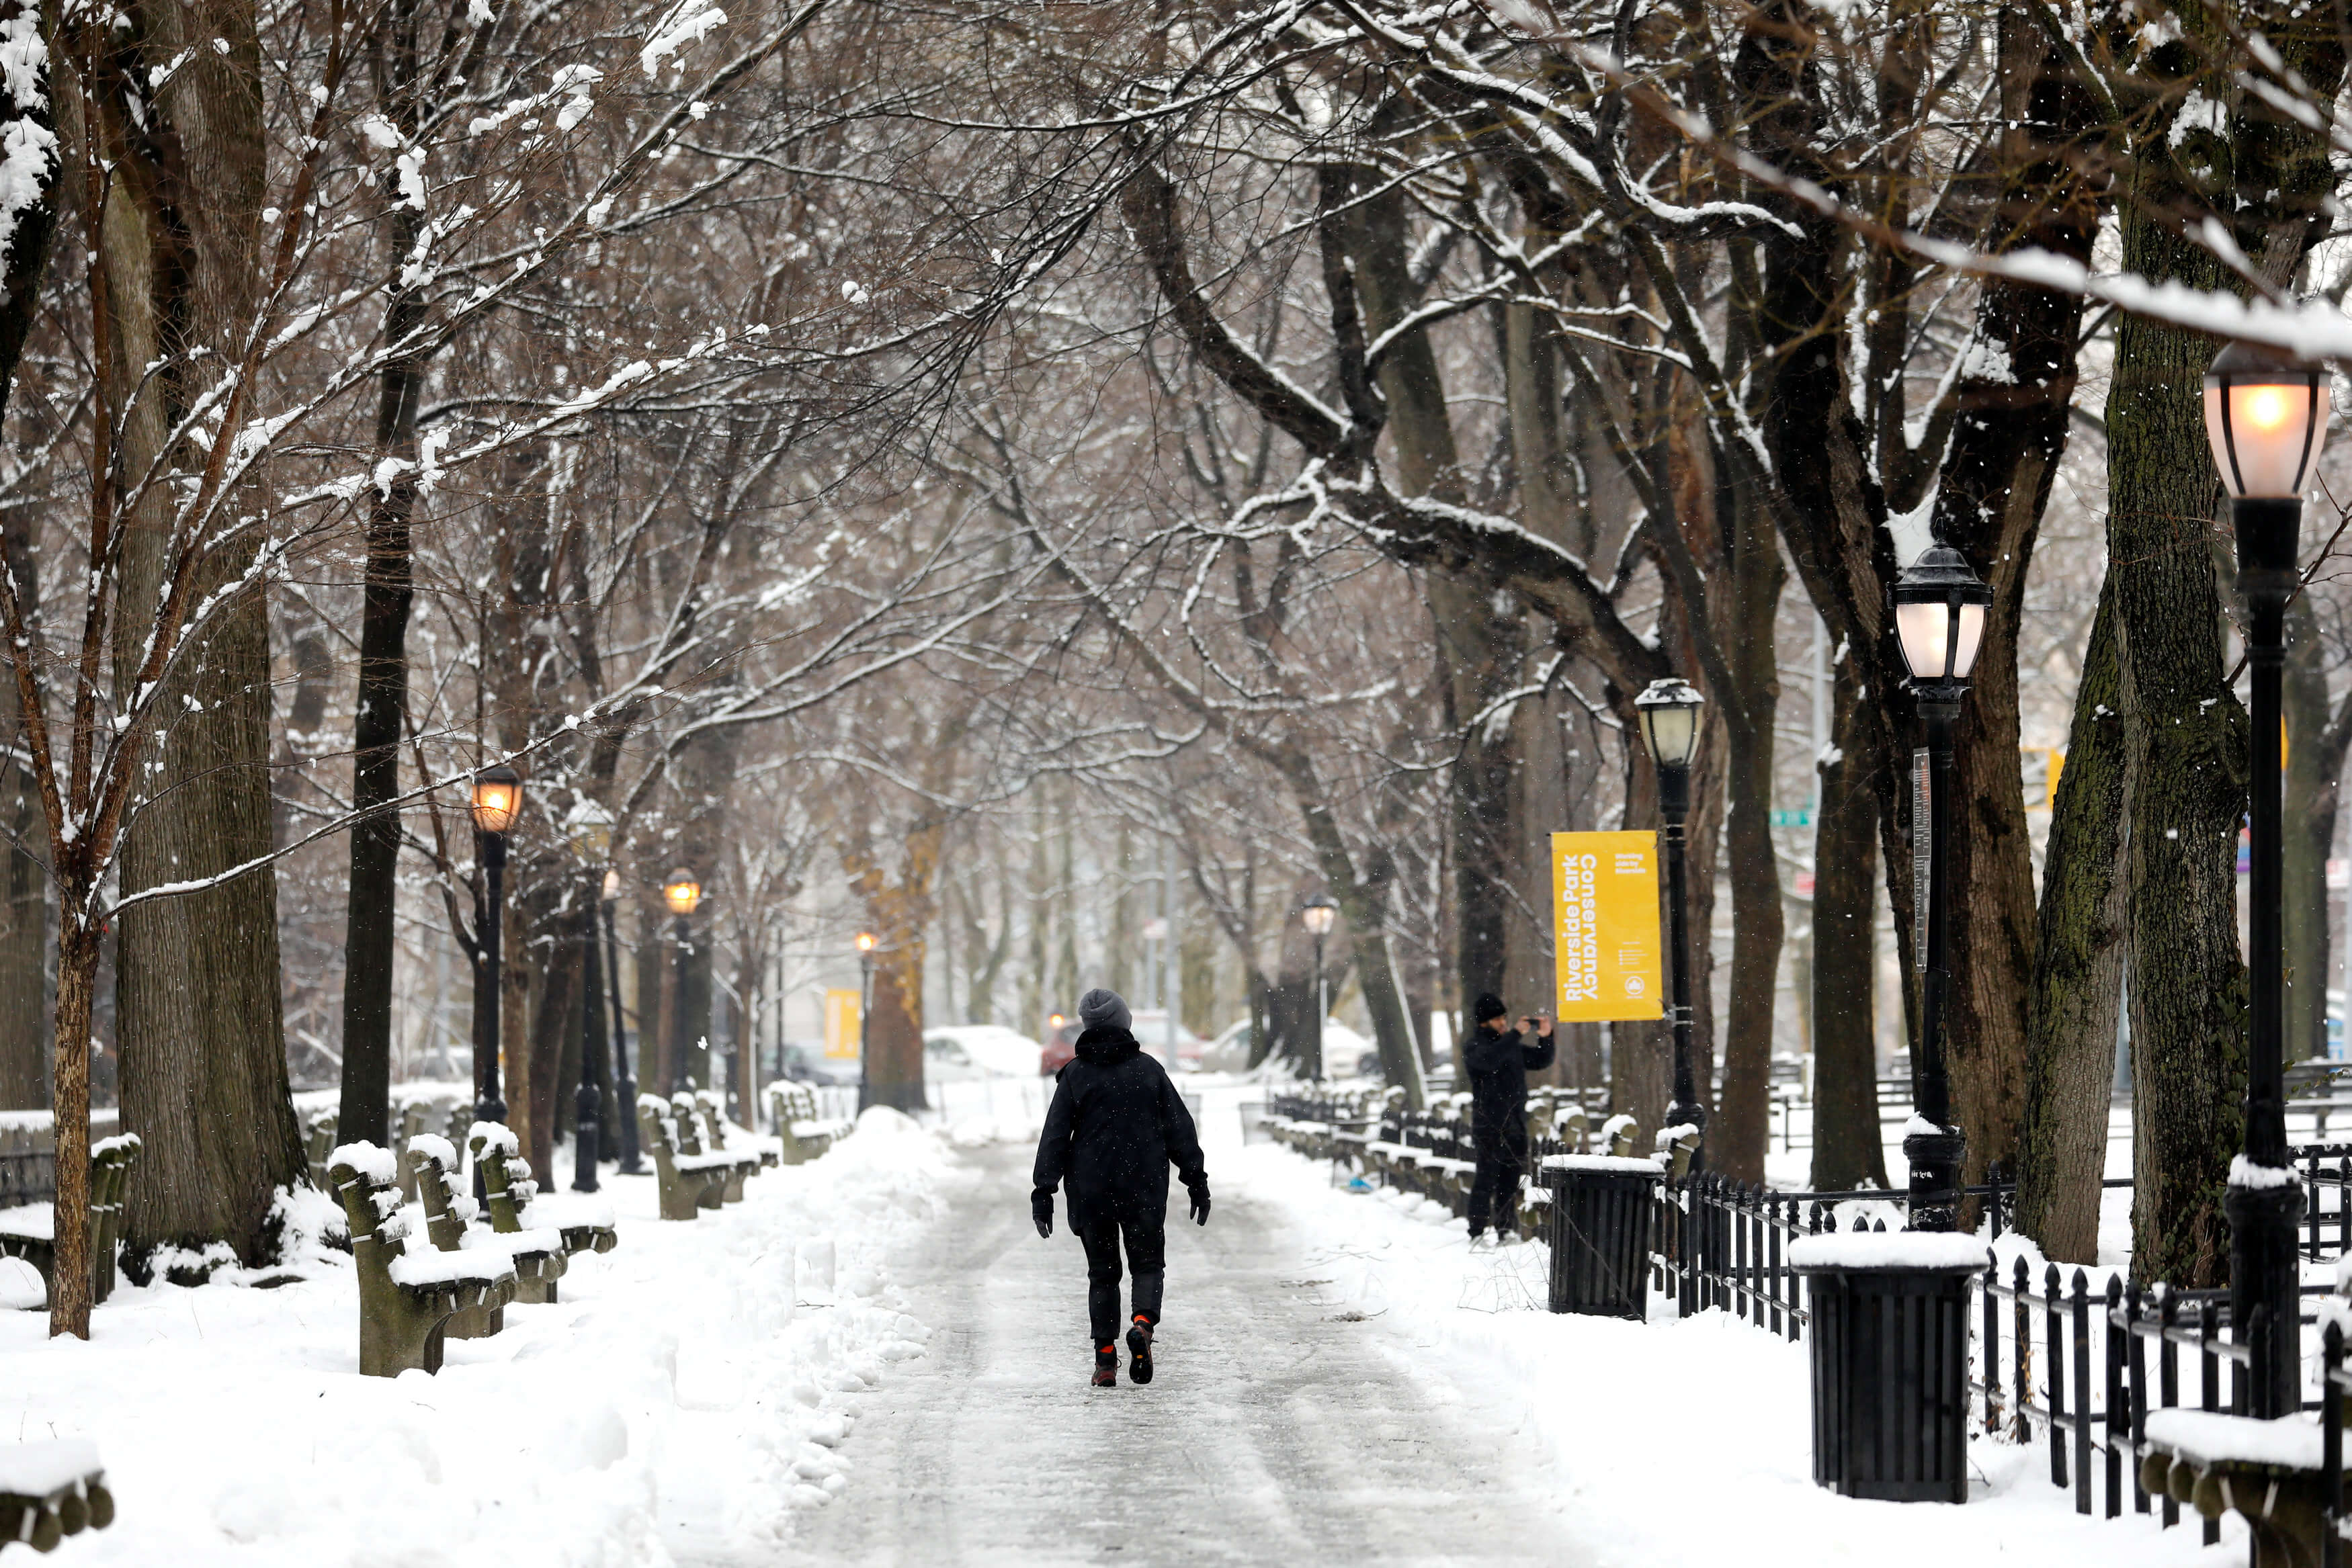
<point>1801,817</point>
<point>1605,942</point>
<point>841,1021</point>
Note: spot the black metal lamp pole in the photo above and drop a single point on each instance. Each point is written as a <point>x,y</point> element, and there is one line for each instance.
<point>1940,606</point>
<point>488,1105</point>
<point>496,802</point>
<point>2267,415</point>
<point>682,890</point>
<point>588,1103</point>
<point>1319,915</point>
<point>625,1083</point>
<point>1669,710</point>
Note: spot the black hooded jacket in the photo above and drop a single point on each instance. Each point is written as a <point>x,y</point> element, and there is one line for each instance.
<point>1499,1065</point>
<point>1114,1127</point>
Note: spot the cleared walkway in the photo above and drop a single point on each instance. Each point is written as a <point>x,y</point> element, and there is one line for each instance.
<point>1272,1435</point>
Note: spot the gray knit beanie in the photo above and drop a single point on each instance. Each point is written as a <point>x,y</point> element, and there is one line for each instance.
<point>1100,1009</point>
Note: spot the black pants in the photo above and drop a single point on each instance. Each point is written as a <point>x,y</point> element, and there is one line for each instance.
<point>1147,1254</point>
<point>1495,1190</point>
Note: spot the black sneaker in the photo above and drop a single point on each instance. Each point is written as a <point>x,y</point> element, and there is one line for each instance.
<point>1106,1366</point>
<point>1139,1340</point>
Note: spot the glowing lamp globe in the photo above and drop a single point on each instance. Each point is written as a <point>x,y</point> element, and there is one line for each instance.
<point>2266,416</point>
<point>497,799</point>
<point>681,892</point>
<point>1317,915</point>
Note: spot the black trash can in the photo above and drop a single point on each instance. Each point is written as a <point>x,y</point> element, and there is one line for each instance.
<point>1890,1361</point>
<point>1600,1233</point>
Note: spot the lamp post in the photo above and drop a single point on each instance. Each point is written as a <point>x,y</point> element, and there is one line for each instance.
<point>1317,916</point>
<point>1669,710</point>
<point>592,841</point>
<point>2266,414</point>
<point>682,892</point>
<point>624,1083</point>
<point>1939,620</point>
<point>864,1005</point>
<point>496,802</point>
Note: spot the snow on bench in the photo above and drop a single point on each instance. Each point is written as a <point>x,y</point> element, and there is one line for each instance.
<point>52,1490</point>
<point>408,1300</point>
<point>508,1186</point>
<point>687,1183</point>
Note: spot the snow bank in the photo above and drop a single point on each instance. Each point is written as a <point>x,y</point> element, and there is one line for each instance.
<point>1636,1420</point>
<point>694,1390</point>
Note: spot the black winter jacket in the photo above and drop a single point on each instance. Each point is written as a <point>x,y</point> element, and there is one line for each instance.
<point>1499,1065</point>
<point>1114,1127</point>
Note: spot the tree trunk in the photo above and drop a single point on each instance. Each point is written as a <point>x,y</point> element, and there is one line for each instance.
<point>1847,1148</point>
<point>370,935</point>
<point>199,1011</point>
<point>2185,744</point>
<point>2080,948</point>
<point>2315,768</point>
<point>1747,611</point>
<point>78,954</point>
<point>23,881</point>
<point>552,1023</point>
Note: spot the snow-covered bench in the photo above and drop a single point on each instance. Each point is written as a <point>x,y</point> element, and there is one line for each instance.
<point>408,1300</point>
<point>30,1230</point>
<point>687,1183</point>
<point>2271,1472</point>
<point>50,1490</point>
<point>515,1204</point>
<point>537,1259</point>
<point>801,1132</point>
<point>696,1136</point>
<point>726,1137</point>
<point>319,1141</point>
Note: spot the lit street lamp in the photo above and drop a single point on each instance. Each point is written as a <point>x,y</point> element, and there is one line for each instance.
<point>496,802</point>
<point>1669,710</point>
<point>864,1005</point>
<point>1939,620</point>
<point>1317,916</point>
<point>592,841</point>
<point>682,892</point>
<point>2266,414</point>
<point>624,1083</point>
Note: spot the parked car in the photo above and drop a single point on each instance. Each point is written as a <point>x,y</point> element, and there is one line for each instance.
<point>805,1063</point>
<point>1061,1046</point>
<point>978,1051</point>
<point>1344,1050</point>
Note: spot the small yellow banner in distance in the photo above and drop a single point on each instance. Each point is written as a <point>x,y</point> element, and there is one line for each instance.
<point>841,1021</point>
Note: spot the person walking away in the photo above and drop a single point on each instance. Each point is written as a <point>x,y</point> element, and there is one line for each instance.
<point>1499,1060</point>
<point>1116,1124</point>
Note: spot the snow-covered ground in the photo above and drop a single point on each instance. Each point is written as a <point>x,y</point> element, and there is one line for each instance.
<point>1678,1442</point>
<point>683,1403</point>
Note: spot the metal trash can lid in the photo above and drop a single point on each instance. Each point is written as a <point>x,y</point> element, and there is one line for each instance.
<point>1888,1251</point>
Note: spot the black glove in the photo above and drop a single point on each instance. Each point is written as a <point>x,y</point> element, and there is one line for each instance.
<point>1041,1210</point>
<point>1199,1191</point>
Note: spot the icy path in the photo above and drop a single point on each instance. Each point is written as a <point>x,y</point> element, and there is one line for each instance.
<point>1274,1433</point>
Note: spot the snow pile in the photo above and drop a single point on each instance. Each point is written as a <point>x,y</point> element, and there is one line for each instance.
<point>1637,1420</point>
<point>694,1388</point>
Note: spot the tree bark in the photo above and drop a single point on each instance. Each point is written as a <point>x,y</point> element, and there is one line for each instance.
<point>2185,743</point>
<point>2314,774</point>
<point>2080,948</point>
<point>380,721</point>
<point>1848,1152</point>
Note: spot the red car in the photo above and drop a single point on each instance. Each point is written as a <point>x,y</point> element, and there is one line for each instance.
<point>1062,1046</point>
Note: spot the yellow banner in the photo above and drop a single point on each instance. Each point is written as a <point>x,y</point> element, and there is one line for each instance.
<point>841,1020</point>
<point>1605,925</point>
